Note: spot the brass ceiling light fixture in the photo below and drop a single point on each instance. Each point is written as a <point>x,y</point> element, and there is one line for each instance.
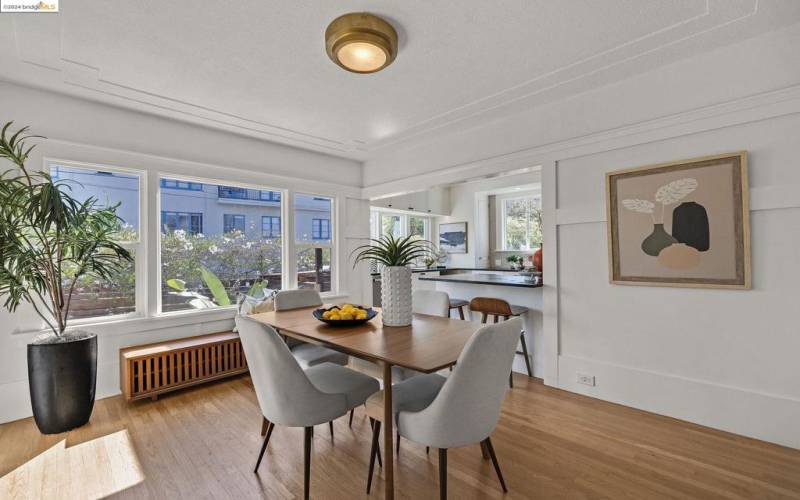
<point>361,42</point>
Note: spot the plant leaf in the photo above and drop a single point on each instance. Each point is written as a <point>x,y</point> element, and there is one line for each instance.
<point>215,285</point>
<point>641,206</point>
<point>176,284</point>
<point>675,190</point>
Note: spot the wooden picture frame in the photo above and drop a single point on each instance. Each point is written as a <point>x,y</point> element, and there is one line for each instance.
<point>708,242</point>
<point>453,246</point>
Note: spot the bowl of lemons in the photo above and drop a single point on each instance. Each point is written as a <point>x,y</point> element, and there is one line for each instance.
<point>345,315</point>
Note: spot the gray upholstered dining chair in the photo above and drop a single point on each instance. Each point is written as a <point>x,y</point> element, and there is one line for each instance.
<point>433,302</point>
<point>461,409</point>
<point>307,355</point>
<point>290,396</point>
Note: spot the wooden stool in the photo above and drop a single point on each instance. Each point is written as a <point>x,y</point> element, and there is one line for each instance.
<point>459,304</point>
<point>499,308</point>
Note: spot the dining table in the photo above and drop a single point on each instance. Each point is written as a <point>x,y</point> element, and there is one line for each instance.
<point>427,345</point>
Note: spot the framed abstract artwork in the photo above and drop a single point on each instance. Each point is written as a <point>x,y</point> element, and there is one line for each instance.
<point>453,237</point>
<point>682,224</point>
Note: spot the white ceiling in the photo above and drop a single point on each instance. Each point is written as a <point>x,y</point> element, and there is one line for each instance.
<point>259,67</point>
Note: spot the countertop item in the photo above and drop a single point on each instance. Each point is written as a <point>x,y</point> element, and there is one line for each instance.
<point>459,269</point>
<point>487,279</point>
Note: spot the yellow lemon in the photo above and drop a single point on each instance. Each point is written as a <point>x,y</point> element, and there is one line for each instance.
<point>346,315</point>
<point>335,316</point>
<point>361,315</point>
<point>326,315</point>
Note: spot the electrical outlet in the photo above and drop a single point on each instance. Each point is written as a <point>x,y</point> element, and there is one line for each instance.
<point>585,379</point>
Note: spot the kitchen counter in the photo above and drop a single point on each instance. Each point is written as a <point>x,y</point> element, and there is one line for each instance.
<point>486,279</point>
<point>460,269</point>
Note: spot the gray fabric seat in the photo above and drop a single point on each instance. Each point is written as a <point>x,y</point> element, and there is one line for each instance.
<point>357,387</point>
<point>289,396</point>
<point>307,355</point>
<point>465,408</point>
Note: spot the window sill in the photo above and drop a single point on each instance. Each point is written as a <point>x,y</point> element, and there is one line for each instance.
<point>114,327</point>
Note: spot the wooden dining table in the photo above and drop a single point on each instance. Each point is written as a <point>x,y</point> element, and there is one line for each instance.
<point>428,345</point>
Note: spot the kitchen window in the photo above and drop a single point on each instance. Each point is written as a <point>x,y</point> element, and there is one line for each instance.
<point>521,223</point>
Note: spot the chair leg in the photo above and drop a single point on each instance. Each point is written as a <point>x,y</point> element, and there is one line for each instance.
<point>307,462</point>
<point>264,446</point>
<point>490,449</point>
<point>525,353</point>
<point>442,473</point>
<point>397,438</point>
<point>351,417</point>
<point>427,449</point>
<point>461,312</point>
<point>511,380</point>
<point>373,452</point>
<point>330,424</point>
<point>264,426</point>
<point>484,451</point>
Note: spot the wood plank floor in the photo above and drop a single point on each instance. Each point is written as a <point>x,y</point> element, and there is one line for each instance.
<point>551,444</point>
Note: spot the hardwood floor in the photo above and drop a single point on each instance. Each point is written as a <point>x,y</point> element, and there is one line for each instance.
<point>203,443</point>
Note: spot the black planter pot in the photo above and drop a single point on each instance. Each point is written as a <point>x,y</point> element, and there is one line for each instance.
<point>62,379</point>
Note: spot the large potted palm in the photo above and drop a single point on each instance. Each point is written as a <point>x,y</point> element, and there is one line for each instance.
<point>395,255</point>
<point>49,242</point>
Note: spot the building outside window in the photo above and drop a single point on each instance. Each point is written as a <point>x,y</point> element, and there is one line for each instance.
<point>320,229</point>
<point>209,268</point>
<point>314,241</point>
<point>176,184</point>
<point>192,223</point>
<point>94,298</point>
<point>232,222</point>
<point>270,226</point>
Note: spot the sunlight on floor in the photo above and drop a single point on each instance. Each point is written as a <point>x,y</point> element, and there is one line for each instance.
<point>94,469</point>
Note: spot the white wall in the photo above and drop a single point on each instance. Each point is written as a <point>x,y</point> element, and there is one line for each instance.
<point>722,358</point>
<point>89,132</point>
<point>469,203</point>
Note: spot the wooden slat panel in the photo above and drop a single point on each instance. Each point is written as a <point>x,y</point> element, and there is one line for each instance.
<point>140,368</point>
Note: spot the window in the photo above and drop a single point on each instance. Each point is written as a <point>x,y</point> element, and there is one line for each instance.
<point>418,227</point>
<point>232,192</point>
<point>175,184</point>
<point>391,224</point>
<point>192,223</point>
<point>270,195</point>
<point>232,222</point>
<point>207,268</point>
<point>313,241</point>
<point>320,229</point>
<point>521,223</point>
<point>270,226</point>
<point>93,298</point>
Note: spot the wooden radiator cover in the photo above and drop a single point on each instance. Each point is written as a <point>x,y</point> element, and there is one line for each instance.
<point>152,369</point>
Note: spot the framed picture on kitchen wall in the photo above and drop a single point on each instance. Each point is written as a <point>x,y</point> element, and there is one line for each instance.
<point>453,237</point>
<point>682,224</point>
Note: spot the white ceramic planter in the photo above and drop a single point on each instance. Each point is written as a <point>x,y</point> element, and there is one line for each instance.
<point>396,296</point>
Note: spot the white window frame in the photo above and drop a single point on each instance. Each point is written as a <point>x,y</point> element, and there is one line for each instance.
<point>156,288</point>
<point>501,209</point>
<point>295,245</point>
<point>376,222</point>
<point>138,247</point>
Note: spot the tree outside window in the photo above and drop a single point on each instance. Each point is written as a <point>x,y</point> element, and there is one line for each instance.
<point>522,223</point>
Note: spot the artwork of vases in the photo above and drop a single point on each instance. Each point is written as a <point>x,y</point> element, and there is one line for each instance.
<point>684,223</point>
<point>690,233</point>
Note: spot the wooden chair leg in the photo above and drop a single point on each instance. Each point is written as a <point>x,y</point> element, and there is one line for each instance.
<point>330,424</point>
<point>484,451</point>
<point>427,449</point>
<point>490,449</point>
<point>372,423</point>
<point>525,353</point>
<point>264,426</point>
<point>373,452</point>
<point>351,417</point>
<point>264,446</point>
<point>511,379</point>
<point>442,473</point>
<point>496,318</point>
<point>461,312</point>
<point>397,438</point>
<point>307,462</point>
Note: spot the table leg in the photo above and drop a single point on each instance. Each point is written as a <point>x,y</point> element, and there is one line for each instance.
<point>388,433</point>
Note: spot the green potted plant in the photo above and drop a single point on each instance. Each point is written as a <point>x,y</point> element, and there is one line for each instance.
<point>49,241</point>
<point>515,261</point>
<point>395,255</point>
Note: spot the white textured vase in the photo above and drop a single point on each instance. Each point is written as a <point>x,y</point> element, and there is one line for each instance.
<point>396,296</point>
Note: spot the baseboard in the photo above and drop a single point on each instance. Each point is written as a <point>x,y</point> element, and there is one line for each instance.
<point>768,417</point>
